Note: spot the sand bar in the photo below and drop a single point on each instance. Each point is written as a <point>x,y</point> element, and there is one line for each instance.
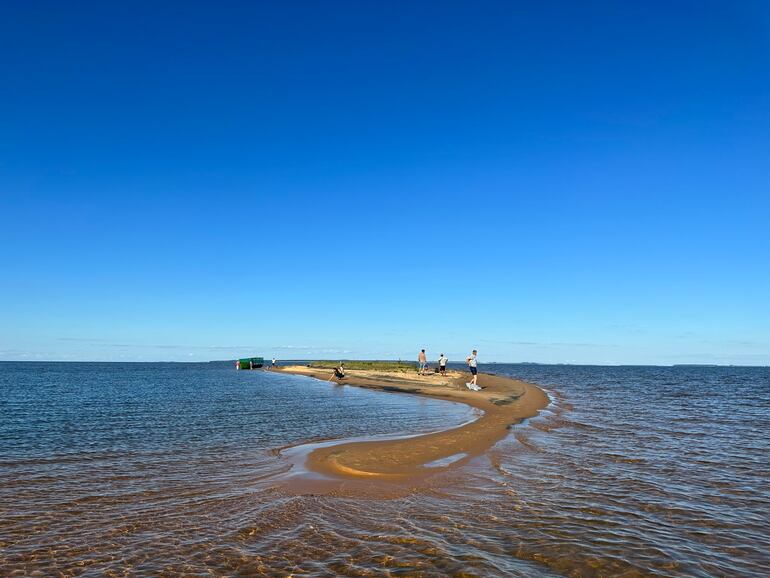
<point>503,401</point>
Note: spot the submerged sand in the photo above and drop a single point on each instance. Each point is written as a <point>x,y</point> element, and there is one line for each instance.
<point>503,401</point>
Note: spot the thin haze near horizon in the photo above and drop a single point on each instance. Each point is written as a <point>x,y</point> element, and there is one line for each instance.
<point>550,182</point>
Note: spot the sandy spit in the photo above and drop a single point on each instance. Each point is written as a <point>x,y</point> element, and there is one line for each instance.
<point>504,402</point>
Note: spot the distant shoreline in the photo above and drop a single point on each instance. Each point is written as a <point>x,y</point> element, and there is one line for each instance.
<point>504,401</point>
<point>288,362</point>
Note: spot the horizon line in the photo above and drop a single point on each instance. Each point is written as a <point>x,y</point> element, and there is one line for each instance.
<point>395,360</point>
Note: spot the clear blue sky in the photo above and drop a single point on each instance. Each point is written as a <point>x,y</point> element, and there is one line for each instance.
<point>584,182</point>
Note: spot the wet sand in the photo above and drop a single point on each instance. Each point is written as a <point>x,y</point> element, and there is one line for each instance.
<point>503,401</point>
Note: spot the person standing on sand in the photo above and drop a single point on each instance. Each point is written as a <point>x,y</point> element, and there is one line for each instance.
<point>423,361</point>
<point>471,361</point>
<point>442,364</point>
<point>272,363</point>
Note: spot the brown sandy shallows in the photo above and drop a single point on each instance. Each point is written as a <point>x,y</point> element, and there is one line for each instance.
<point>504,402</point>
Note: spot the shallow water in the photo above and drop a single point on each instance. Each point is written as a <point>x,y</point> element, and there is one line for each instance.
<point>169,469</point>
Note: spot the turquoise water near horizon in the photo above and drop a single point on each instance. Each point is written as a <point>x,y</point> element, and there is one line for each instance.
<point>169,469</point>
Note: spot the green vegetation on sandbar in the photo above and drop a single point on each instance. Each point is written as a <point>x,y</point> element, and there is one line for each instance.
<point>396,366</point>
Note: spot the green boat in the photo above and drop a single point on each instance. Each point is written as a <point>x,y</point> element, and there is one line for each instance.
<point>249,363</point>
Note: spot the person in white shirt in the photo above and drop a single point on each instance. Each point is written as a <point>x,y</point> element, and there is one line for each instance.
<point>339,372</point>
<point>472,366</point>
<point>442,364</point>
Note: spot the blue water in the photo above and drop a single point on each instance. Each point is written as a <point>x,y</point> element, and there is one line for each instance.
<point>171,469</point>
<point>62,409</point>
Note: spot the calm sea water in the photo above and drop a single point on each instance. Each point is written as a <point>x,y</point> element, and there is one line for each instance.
<point>172,469</point>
